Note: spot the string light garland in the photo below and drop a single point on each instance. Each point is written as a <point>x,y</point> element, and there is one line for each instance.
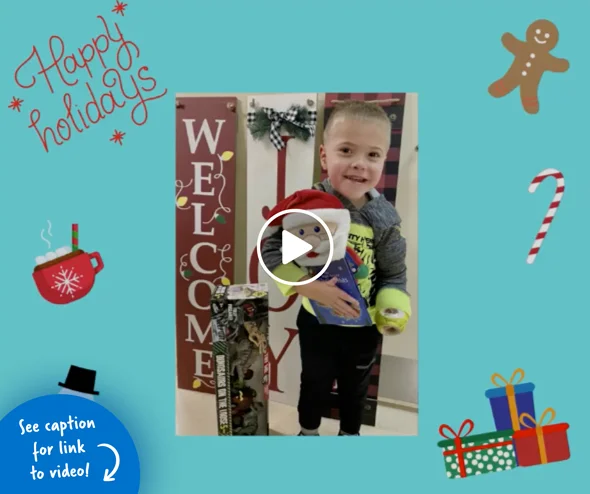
<point>181,201</point>
<point>197,382</point>
<point>184,273</point>
<point>224,260</point>
<point>225,156</point>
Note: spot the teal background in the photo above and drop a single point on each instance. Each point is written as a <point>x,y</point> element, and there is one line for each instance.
<point>482,308</point>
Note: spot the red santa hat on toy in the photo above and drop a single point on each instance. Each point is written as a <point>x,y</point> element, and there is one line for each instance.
<point>325,206</point>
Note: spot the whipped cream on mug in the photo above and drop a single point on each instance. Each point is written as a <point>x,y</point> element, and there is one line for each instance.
<point>50,256</point>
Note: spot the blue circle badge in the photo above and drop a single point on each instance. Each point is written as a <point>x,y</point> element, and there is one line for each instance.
<point>66,444</point>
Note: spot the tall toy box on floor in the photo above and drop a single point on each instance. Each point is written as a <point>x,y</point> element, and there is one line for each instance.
<point>239,322</point>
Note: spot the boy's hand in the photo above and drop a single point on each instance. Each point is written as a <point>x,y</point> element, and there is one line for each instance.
<point>328,294</point>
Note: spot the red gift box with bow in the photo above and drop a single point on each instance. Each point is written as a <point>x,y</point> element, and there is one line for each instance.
<point>538,443</point>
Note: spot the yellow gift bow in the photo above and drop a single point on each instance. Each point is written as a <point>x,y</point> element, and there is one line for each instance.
<point>538,426</point>
<point>509,385</point>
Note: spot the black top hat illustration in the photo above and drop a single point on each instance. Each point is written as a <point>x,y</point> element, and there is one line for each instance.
<point>80,380</point>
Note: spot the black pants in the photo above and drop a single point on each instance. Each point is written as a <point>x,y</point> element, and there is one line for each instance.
<point>328,353</point>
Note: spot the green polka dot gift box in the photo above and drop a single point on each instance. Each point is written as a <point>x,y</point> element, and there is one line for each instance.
<point>467,455</point>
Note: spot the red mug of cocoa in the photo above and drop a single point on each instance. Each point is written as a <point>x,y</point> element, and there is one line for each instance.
<point>67,278</point>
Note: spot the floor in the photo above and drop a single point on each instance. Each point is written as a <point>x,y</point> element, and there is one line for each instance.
<point>195,416</point>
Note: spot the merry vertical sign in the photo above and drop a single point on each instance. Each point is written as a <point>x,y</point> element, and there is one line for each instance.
<point>272,175</point>
<point>205,214</point>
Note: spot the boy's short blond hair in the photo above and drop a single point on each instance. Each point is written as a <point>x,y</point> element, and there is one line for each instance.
<point>355,109</point>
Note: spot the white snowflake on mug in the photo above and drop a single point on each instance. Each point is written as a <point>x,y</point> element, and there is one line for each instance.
<point>66,282</point>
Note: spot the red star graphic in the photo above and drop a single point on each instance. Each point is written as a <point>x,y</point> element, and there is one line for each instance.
<point>119,8</point>
<point>117,137</point>
<point>15,104</point>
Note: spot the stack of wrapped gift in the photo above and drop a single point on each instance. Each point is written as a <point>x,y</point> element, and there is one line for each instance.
<point>520,440</point>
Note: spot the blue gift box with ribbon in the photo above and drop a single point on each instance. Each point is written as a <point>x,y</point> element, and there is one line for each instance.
<point>510,399</point>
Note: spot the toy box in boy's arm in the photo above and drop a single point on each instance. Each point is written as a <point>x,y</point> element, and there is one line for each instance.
<point>346,270</point>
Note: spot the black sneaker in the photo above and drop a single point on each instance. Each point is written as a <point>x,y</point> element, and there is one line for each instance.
<point>342,434</point>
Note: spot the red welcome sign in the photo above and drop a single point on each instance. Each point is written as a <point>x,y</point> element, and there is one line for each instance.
<point>205,219</point>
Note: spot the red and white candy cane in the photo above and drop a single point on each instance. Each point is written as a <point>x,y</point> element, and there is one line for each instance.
<point>549,172</point>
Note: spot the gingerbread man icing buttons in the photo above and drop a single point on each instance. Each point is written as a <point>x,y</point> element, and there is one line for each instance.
<point>531,60</point>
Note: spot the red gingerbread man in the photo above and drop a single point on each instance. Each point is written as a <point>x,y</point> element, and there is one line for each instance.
<point>531,60</point>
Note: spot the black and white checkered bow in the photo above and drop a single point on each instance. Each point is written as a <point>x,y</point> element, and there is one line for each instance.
<point>278,117</point>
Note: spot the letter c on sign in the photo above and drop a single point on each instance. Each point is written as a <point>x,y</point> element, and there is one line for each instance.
<point>195,253</point>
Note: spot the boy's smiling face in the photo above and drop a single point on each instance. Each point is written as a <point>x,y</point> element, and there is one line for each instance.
<point>353,154</point>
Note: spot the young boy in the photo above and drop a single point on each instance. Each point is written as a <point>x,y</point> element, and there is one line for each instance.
<point>356,142</point>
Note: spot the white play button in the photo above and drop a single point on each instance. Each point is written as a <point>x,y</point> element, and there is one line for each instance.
<point>293,247</point>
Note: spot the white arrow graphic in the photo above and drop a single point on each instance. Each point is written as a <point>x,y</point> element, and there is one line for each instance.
<point>109,477</point>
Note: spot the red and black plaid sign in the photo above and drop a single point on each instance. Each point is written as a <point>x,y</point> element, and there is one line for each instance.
<point>386,186</point>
